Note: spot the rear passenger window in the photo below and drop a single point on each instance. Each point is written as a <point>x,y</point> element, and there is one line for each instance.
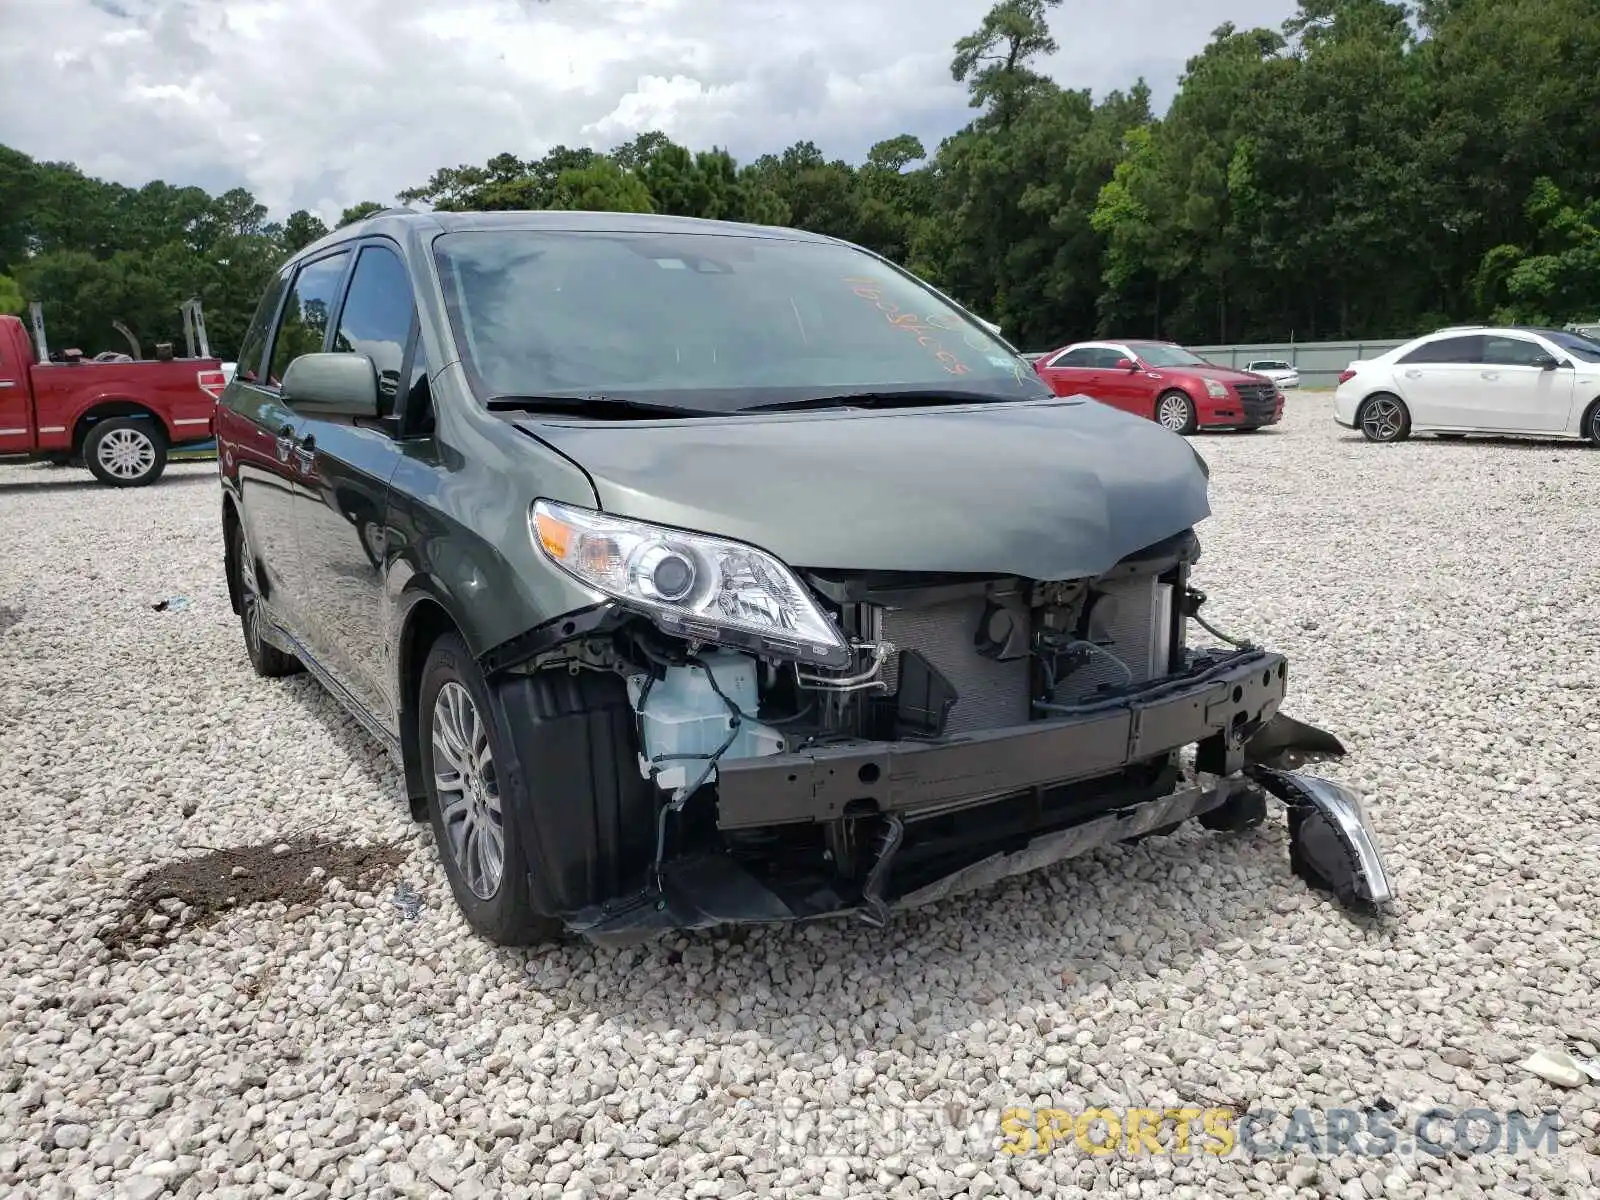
<point>304,327</point>
<point>254,345</point>
<point>1448,350</point>
<point>1081,357</point>
<point>376,318</point>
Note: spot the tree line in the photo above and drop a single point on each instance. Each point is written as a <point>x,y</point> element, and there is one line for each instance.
<point>1371,169</point>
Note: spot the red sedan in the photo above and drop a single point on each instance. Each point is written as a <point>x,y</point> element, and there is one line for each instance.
<point>1165,383</point>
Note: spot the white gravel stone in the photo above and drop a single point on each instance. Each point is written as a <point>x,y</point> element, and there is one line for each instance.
<point>1436,601</point>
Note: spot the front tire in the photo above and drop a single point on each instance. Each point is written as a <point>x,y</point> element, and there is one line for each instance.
<point>1175,411</point>
<point>1591,424</point>
<point>1384,418</point>
<point>126,451</point>
<point>472,804</point>
<point>266,659</point>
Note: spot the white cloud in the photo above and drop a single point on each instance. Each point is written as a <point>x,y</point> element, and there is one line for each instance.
<point>315,104</point>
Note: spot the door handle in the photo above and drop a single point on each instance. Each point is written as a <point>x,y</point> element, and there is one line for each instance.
<point>1490,374</point>
<point>1413,374</point>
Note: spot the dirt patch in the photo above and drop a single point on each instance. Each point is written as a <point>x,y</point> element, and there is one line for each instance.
<point>191,893</point>
<point>9,616</point>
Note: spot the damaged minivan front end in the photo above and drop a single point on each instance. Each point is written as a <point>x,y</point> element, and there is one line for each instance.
<point>825,741</point>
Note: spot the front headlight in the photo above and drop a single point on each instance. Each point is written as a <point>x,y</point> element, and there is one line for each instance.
<point>1217,391</point>
<point>699,587</point>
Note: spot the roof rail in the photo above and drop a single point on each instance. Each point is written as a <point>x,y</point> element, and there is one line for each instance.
<point>1459,328</point>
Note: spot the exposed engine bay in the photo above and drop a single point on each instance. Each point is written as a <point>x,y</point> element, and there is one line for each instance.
<point>790,789</point>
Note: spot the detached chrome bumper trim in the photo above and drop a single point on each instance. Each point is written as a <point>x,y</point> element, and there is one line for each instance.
<point>1332,834</point>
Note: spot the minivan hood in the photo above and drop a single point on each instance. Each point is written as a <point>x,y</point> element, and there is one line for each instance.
<point>1045,489</point>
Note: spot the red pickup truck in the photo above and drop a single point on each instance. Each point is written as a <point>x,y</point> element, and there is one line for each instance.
<point>119,418</point>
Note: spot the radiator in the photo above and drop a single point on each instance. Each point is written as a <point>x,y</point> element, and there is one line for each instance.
<point>1132,620</point>
<point>992,694</point>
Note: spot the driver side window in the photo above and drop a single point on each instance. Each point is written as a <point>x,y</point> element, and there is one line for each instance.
<point>1511,352</point>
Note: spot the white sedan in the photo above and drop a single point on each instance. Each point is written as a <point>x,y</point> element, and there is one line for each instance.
<point>1285,375</point>
<point>1476,380</point>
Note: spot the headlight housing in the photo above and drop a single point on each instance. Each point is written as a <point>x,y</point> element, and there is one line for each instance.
<point>1217,391</point>
<point>696,586</point>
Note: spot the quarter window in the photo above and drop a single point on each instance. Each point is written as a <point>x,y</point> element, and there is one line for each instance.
<point>376,318</point>
<point>304,327</point>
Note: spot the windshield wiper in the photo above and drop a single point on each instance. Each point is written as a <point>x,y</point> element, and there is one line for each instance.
<point>595,404</point>
<point>908,399</point>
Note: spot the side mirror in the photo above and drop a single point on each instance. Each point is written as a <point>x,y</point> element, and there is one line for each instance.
<point>1126,364</point>
<point>1546,362</point>
<point>335,385</point>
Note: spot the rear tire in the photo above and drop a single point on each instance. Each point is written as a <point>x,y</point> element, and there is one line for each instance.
<point>1384,418</point>
<point>1591,424</point>
<point>1175,411</point>
<point>126,451</point>
<point>474,805</point>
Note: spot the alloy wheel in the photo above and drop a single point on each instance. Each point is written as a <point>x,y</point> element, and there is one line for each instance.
<point>1174,413</point>
<point>249,596</point>
<point>127,453</point>
<point>469,795</point>
<point>1381,419</point>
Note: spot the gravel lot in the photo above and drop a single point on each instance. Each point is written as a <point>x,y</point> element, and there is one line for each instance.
<point>1436,601</point>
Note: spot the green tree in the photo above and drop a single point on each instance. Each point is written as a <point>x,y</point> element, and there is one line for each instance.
<point>12,301</point>
<point>301,229</point>
<point>359,212</point>
<point>1558,279</point>
<point>995,61</point>
<point>601,186</point>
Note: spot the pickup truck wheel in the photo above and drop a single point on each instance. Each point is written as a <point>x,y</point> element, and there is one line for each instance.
<point>126,451</point>
<point>472,802</point>
<point>1175,411</point>
<point>268,661</point>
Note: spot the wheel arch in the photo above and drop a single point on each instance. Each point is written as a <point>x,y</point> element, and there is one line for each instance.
<point>1589,423</point>
<point>230,561</point>
<point>426,621</point>
<point>113,406</point>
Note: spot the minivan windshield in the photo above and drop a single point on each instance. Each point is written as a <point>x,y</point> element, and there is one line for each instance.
<point>712,322</point>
